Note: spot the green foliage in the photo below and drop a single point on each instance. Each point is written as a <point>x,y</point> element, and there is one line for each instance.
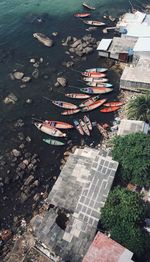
<point>123,215</point>
<point>139,108</point>
<point>133,154</point>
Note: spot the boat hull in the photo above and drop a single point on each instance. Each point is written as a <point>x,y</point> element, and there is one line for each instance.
<point>94,84</point>
<point>45,128</point>
<point>93,74</point>
<point>96,80</point>
<point>84,127</point>
<point>88,122</point>
<point>82,15</point>
<point>96,90</point>
<point>64,105</point>
<point>78,127</point>
<point>94,105</point>
<point>110,109</point>
<point>57,124</point>
<point>53,142</point>
<point>70,112</point>
<point>77,96</point>
<point>98,69</point>
<point>93,23</point>
<point>112,104</point>
<point>89,101</point>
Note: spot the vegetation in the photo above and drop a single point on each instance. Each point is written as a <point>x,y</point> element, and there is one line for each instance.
<point>133,154</point>
<point>139,108</point>
<point>123,216</point>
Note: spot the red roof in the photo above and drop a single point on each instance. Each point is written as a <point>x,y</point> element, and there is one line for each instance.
<point>104,249</point>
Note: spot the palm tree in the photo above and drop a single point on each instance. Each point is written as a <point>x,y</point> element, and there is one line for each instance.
<point>139,108</point>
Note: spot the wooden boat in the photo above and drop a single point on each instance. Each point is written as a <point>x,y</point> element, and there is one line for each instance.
<point>84,127</point>
<point>93,74</point>
<point>82,15</point>
<point>114,103</point>
<point>96,90</point>
<point>64,105</point>
<point>98,69</point>
<point>102,131</point>
<point>93,106</point>
<point>78,127</point>
<point>88,6</point>
<point>88,122</point>
<point>70,112</point>
<point>96,80</point>
<point>57,124</point>
<point>77,95</point>
<point>93,23</point>
<point>110,109</point>
<point>52,131</point>
<point>53,142</point>
<point>89,101</point>
<point>94,84</point>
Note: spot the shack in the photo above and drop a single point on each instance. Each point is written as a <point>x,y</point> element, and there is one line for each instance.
<point>117,48</point>
<point>70,223</point>
<point>127,127</point>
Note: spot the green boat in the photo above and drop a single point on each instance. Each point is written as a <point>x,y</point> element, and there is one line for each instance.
<point>53,142</point>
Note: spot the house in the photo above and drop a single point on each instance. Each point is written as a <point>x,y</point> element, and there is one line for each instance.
<point>141,48</point>
<point>70,223</point>
<point>127,127</point>
<point>117,48</point>
<point>137,76</point>
<point>104,249</point>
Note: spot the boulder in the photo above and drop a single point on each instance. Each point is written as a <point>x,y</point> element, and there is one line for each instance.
<point>16,152</point>
<point>10,99</point>
<point>76,43</point>
<point>32,60</point>
<point>43,39</point>
<point>69,39</point>
<point>62,81</point>
<point>26,79</point>
<point>18,75</point>
<point>35,73</point>
<point>88,50</point>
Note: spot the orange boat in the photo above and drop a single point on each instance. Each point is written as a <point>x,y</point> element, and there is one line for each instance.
<point>110,104</point>
<point>96,90</point>
<point>94,105</point>
<point>82,15</point>
<point>93,74</point>
<point>77,95</point>
<point>110,109</point>
<point>64,105</point>
<point>57,124</point>
<point>89,101</point>
<point>70,112</point>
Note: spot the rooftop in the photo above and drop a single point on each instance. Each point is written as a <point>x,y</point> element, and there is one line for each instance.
<point>139,73</point>
<point>122,45</point>
<point>75,202</point>
<point>142,44</point>
<point>104,44</point>
<point>104,249</point>
<point>132,126</point>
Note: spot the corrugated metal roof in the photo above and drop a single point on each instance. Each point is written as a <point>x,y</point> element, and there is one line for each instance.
<point>132,126</point>
<point>142,44</point>
<point>130,18</point>
<point>138,30</point>
<point>104,44</point>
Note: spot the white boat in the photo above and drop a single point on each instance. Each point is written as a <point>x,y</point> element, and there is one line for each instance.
<point>45,128</point>
<point>97,70</point>
<point>96,80</point>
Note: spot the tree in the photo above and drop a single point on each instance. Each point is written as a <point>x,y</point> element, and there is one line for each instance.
<point>123,215</point>
<point>139,108</point>
<point>133,154</point>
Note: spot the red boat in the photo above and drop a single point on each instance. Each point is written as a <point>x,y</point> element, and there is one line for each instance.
<point>110,109</point>
<point>58,124</point>
<point>110,104</point>
<point>82,15</point>
<point>70,112</point>
<point>93,106</point>
<point>93,74</point>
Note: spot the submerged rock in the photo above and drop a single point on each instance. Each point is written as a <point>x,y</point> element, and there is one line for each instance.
<point>18,75</point>
<point>43,39</point>
<point>62,81</point>
<point>26,79</point>
<point>10,99</point>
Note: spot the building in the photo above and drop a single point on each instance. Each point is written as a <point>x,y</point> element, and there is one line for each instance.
<point>69,226</point>
<point>117,48</point>
<point>127,127</point>
<point>142,48</point>
<point>104,249</point>
<point>137,77</point>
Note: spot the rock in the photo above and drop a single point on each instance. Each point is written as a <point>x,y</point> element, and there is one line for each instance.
<point>23,196</point>
<point>56,84</point>
<point>26,79</point>
<point>55,33</point>
<point>43,39</point>
<point>10,99</point>
<point>69,39</point>
<point>68,64</point>
<point>72,50</point>
<point>26,162</point>
<point>35,73</point>
<point>29,180</point>
<point>16,153</point>
<point>29,101</point>
<point>79,53</point>
<point>32,60</point>
<point>23,86</point>
<point>41,60</point>
<point>18,75</point>
<point>79,47</point>
<point>36,65</point>
<point>22,146</point>
<point>88,50</point>
<point>19,123</point>
<point>22,166</point>
<point>21,136</point>
<point>76,43</point>
<point>28,139</point>
<point>62,81</point>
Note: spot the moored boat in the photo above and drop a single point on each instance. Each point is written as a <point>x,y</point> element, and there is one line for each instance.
<point>88,6</point>
<point>94,105</point>
<point>102,131</point>
<point>93,74</point>
<point>58,124</point>
<point>114,103</point>
<point>88,122</point>
<point>70,112</point>
<point>84,127</point>
<point>89,101</point>
<point>93,23</point>
<point>77,95</point>
<point>53,142</point>
<point>110,109</point>
<point>64,105</point>
<point>78,127</point>
<point>96,90</point>
<point>82,15</point>
<point>96,80</point>
<point>52,131</point>
<point>94,84</point>
<point>98,69</point>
